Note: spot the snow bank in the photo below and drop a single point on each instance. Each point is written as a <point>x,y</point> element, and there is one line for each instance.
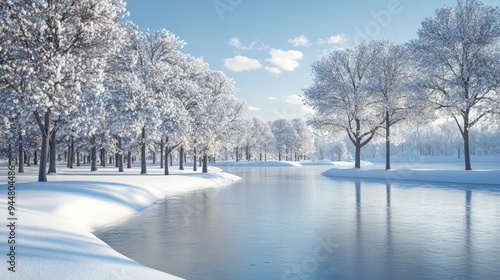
<point>275,163</point>
<point>55,219</point>
<point>270,163</point>
<point>488,177</point>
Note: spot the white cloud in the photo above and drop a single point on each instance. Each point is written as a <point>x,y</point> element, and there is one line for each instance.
<point>285,60</point>
<point>274,70</point>
<point>241,63</point>
<point>235,42</point>
<point>271,98</point>
<point>254,45</point>
<point>299,41</point>
<point>293,99</point>
<point>252,108</point>
<point>333,40</point>
<point>307,109</point>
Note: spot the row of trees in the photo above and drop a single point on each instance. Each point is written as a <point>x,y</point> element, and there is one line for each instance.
<point>74,71</point>
<point>255,140</point>
<point>284,139</point>
<point>435,139</point>
<point>452,70</point>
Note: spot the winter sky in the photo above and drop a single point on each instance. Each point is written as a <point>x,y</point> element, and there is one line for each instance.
<point>268,46</point>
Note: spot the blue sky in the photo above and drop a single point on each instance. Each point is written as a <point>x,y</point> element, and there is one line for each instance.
<point>267,47</point>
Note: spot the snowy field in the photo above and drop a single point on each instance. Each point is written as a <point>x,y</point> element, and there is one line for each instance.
<point>441,169</point>
<point>54,237</point>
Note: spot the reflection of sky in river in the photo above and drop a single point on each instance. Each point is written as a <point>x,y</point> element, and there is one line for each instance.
<point>289,223</point>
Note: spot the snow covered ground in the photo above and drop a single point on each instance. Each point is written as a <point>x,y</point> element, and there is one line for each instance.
<point>486,170</point>
<point>55,220</point>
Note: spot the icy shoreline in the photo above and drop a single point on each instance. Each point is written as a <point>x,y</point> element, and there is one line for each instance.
<point>489,177</point>
<point>55,220</point>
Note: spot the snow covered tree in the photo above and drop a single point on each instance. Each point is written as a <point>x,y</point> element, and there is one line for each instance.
<point>59,47</point>
<point>187,93</point>
<point>284,135</point>
<point>342,98</point>
<point>389,80</point>
<point>124,88</point>
<point>220,111</point>
<point>156,52</point>
<point>338,150</point>
<point>457,52</point>
<point>305,141</point>
<point>264,137</point>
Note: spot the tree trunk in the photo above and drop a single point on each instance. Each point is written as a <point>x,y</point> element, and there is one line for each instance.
<point>35,158</point>
<point>53,153</point>
<point>181,158</point>
<point>71,155</point>
<point>279,156</point>
<point>357,144</point>
<point>21,153</point>
<point>93,155</point>
<point>102,157</point>
<point>77,158</point>
<point>45,131</point>
<point>66,153</point>
<point>162,156</point>
<point>167,154</point>
<point>154,158</point>
<point>194,159</point>
<point>10,154</point>
<point>143,152</point>
<point>237,154</point>
<point>27,157</point>
<point>465,135</point>
<point>120,155</point>
<point>357,160</point>
<point>468,165</point>
<point>205,163</point>
<point>387,142</point>
<point>129,160</point>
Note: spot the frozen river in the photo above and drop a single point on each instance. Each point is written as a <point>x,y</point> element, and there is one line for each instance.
<point>292,223</point>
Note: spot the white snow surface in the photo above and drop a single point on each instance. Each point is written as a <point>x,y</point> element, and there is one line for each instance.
<point>438,169</point>
<point>55,219</point>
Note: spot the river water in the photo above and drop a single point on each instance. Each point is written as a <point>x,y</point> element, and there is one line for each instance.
<point>292,223</point>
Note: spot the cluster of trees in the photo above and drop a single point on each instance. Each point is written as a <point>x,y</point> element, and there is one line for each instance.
<point>76,79</point>
<point>440,138</point>
<point>280,139</point>
<point>75,72</point>
<point>452,70</point>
